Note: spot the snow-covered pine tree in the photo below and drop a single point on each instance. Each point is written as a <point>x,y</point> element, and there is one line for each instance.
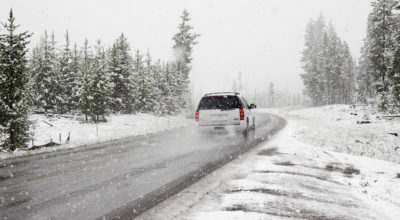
<point>144,97</point>
<point>120,68</point>
<point>138,79</point>
<point>332,66</point>
<point>58,87</point>
<point>85,98</point>
<point>34,68</point>
<point>76,79</point>
<point>67,77</point>
<point>100,86</point>
<point>161,82</point>
<point>348,76</point>
<point>184,40</point>
<point>394,73</point>
<point>158,83</point>
<point>365,77</point>
<point>116,104</point>
<point>342,79</point>
<point>170,89</point>
<point>13,82</point>
<point>327,69</point>
<point>46,78</point>
<point>126,66</point>
<point>394,77</point>
<point>313,78</point>
<point>152,93</point>
<point>380,47</point>
<point>164,89</point>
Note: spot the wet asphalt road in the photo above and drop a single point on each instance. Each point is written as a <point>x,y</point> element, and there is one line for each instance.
<point>120,179</point>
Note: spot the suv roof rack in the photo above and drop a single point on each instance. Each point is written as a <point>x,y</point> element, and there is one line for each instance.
<point>216,93</point>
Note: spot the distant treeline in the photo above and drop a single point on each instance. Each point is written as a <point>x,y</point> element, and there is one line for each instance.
<point>96,81</point>
<point>269,97</point>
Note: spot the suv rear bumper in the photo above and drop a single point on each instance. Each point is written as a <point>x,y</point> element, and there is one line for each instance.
<point>238,123</point>
<point>214,129</point>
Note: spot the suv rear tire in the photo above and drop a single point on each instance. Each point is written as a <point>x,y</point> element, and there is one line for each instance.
<point>247,129</point>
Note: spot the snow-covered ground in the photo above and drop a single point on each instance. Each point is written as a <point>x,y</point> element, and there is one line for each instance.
<point>47,129</point>
<point>342,128</point>
<point>302,175</point>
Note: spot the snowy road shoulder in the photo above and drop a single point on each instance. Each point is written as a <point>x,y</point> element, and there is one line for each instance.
<point>357,130</point>
<point>58,129</point>
<point>287,178</point>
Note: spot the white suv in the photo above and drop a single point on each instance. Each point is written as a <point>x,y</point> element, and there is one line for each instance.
<point>225,109</point>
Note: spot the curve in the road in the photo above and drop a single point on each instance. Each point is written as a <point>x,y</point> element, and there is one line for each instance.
<point>120,179</point>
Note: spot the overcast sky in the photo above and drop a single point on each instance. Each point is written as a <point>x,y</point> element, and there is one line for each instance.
<point>262,39</point>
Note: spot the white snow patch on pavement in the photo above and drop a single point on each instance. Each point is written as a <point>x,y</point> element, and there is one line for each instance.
<point>47,129</point>
<point>290,177</point>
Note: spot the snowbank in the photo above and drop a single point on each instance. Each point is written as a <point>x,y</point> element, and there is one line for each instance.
<point>47,129</point>
<point>355,130</point>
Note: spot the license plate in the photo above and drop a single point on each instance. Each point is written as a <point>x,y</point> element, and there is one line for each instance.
<point>219,115</point>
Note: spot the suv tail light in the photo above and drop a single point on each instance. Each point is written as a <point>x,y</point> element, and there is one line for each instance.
<point>241,112</point>
<point>197,115</point>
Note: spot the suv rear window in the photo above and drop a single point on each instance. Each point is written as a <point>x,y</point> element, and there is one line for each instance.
<point>219,102</point>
